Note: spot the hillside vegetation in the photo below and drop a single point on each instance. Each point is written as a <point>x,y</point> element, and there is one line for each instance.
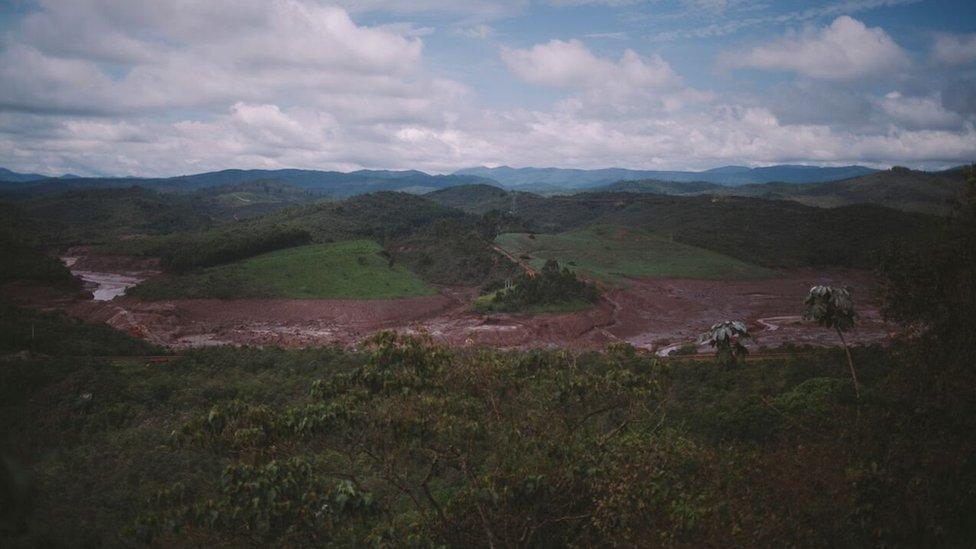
<point>22,257</point>
<point>612,254</point>
<point>353,269</point>
<point>777,234</point>
<point>897,188</point>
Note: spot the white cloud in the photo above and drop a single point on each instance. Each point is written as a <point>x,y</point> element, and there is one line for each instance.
<point>174,60</point>
<point>843,50</point>
<point>571,65</point>
<point>480,32</point>
<point>918,112</point>
<point>162,88</point>
<point>955,49</point>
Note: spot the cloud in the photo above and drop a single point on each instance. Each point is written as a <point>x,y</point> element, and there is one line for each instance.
<point>955,49</point>
<point>571,65</point>
<point>163,88</point>
<point>480,32</point>
<point>266,51</point>
<point>845,49</point>
<point>918,112</point>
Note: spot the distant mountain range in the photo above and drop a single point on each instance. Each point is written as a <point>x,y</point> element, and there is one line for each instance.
<point>726,175</point>
<point>535,179</point>
<point>333,184</point>
<point>899,188</point>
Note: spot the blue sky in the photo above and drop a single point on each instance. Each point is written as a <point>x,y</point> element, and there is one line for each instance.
<point>164,88</point>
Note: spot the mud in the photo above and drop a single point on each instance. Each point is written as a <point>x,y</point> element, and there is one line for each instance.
<point>108,276</point>
<point>657,315</point>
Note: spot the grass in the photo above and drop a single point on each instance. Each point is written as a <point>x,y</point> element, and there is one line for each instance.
<point>612,254</point>
<point>486,304</point>
<point>343,270</point>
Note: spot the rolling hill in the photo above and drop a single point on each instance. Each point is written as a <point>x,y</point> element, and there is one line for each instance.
<point>898,188</point>
<point>328,183</point>
<point>727,175</point>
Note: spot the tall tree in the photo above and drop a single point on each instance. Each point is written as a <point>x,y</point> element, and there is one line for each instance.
<point>834,308</point>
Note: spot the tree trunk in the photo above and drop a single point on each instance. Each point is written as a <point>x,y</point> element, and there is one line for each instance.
<point>850,364</point>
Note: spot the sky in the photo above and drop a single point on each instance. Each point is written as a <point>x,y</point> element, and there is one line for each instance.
<point>170,87</point>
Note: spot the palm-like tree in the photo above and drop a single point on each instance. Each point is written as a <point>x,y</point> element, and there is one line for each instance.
<point>727,338</point>
<point>834,308</point>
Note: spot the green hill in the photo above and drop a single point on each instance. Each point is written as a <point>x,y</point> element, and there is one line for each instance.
<point>352,269</point>
<point>611,254</point>
<point>897,188</point>
<point>771,233</point>
<point>477,199</point>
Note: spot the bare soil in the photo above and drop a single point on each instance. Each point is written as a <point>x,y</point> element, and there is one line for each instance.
<point>656,315</point>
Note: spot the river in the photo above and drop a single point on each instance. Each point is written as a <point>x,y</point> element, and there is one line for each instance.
<point>105,286</point>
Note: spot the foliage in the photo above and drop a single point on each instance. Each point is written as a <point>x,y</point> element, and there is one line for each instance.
<point>21,256</point>
<point>405,442</point>
<point>187,254</point>
<point>778,234</point>
<point>58,334</point>
<point>831,307</point>
<point>834,308</point>
<point>551,287</point>
<point>451,251</point>
<point>728,339</point>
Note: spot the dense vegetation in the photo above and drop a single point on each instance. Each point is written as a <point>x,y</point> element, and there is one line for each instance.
<point>352,269</point>
<point>57,334</point>
<point>453,251</point>
<point>21,255</point>
<point>551,289</point>
<point>778,233</point>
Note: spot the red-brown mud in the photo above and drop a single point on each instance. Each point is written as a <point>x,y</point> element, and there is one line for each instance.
<point>653,314</point>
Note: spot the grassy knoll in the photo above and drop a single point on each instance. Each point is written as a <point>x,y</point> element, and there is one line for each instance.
<point>343,270</point>
<point>610,254</point>
<point>488,304</point>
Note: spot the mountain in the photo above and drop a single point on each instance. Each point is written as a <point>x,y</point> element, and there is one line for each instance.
<point>897,188</point>
<point>662,187</point>
<point>325,183</point>
<point>8,175</point>
<point>727,175</point>
<point>479,198</point>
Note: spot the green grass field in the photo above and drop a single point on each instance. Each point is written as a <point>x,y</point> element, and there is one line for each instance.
<point>342,270</point>
<point>611,254</point>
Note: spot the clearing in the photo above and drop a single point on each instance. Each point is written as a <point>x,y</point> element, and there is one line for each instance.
<point>611,254</point>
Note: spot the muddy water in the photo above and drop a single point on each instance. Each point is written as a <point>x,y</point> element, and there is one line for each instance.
<point>104,286</point>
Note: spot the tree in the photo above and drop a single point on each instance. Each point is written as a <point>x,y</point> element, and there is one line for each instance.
<point>727,338</point>
<point>834,308</point>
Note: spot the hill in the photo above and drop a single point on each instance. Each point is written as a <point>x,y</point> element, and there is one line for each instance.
<point>94,216</point>
<point>472,198</point>
<point>9,175</point>
<point>352,269</point>
<point>662,187</point>
<point>728,175</point>
<point>778,233</point>
<point>612,254</point>
<point>326,183</point>
<point>898,188</point>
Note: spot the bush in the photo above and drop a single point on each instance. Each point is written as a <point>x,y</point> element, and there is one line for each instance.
<point>552,286</point>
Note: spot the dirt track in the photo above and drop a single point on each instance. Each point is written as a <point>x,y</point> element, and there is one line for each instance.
<point>654,314</point>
